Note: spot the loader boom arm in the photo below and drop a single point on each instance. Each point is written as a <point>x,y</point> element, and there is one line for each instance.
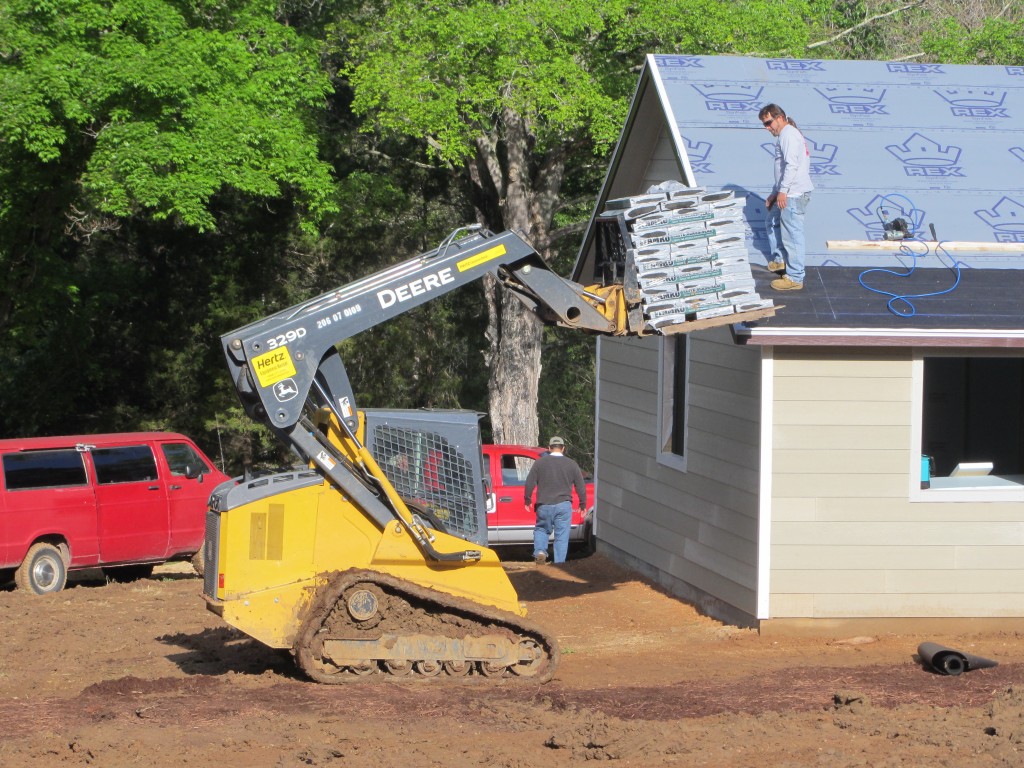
<point>276,362</point>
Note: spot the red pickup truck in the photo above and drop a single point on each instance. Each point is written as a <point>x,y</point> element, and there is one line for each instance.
<point>508,520</point>
<point>123,502</point>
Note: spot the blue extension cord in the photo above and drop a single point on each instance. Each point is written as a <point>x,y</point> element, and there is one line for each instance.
<point>905,298</point>
<point>897,298</point>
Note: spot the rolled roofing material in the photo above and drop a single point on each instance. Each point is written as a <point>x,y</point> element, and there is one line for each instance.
<point>948,661</point>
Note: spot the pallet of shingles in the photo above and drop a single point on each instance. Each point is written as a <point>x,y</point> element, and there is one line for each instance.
<point>688,254</point>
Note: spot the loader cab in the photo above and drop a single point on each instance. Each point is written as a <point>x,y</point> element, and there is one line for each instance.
<point>432,458</point>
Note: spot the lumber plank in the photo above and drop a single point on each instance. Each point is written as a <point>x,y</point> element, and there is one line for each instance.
<point>948,245</point>
<point>711,322</point>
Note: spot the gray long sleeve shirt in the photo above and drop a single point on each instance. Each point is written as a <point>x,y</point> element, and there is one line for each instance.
<point>792,163</point>
<point>553,476</point>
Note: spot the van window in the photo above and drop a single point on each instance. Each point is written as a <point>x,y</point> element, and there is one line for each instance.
<point>182,455</point>
<point>124,464</point>
<point>44,469</point>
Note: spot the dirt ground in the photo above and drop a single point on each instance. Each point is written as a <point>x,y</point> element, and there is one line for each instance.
<point>141,674</point>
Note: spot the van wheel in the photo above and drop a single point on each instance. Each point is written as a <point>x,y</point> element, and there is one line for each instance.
<point>43,570</point>
<point>199,563</point>
<point>124,573</point>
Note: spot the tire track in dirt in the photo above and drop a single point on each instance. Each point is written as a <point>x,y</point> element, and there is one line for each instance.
<point>202,700</point>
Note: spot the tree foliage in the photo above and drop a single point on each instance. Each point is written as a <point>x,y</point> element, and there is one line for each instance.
<point>448,71</point>
<point>164,103</point>
<point>996,41</point>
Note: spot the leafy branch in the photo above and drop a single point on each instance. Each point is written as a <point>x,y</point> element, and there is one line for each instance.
<point>866,22</point>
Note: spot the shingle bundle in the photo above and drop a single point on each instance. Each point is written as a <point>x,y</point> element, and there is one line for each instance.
<point>687,253</point>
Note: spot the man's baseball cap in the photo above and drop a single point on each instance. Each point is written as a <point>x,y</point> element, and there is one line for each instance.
<point>555,441</point>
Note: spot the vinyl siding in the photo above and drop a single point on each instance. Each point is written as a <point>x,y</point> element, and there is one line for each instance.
<point>694,531</point>
<point>846,541</point>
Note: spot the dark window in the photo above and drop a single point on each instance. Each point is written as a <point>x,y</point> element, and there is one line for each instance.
<point>181,456</point>
<point>127,464</point>
<point>44,469</point>
<point>679,396</point>
<point>973,412</point>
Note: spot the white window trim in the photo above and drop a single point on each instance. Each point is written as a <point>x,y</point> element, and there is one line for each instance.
<point>666,373</point>
<point>764,515</point>
<point>941,495</point>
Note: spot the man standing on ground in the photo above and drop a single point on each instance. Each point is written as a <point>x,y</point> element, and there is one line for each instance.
<point>553,475</point>
<point>788,200</point>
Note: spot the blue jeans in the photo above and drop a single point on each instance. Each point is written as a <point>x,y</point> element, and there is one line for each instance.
<point>785,230</point>
<point>557,517</point>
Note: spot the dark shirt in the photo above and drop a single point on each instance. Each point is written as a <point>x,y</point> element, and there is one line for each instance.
<point>554,475</point>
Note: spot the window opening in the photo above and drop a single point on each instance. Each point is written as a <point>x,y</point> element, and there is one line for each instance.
<point>673,405</point>
<point>514,469</point>
<point>124,464</point>
<point>181,456</point>
<point>44,469</point>
<point>972,416</point>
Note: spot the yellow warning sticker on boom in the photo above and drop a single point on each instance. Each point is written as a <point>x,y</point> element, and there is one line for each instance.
<point>273,367</point>
<point>481,258</point>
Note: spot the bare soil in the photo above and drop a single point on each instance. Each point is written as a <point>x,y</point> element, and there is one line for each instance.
<point>118,675</point>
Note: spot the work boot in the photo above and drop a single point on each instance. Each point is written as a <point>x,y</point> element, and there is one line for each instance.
<point>540,558</point>
<point>785,284</point>
<point>777,266</point>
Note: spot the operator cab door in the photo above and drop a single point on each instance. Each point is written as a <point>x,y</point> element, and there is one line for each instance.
<point>132,501</point>
<point>188,495</point>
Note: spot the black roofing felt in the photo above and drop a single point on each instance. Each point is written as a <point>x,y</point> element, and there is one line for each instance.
<point>836,297</point>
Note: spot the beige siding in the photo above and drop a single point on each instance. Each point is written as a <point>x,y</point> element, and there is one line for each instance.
<point>846,541</point>
<point>695,531</point>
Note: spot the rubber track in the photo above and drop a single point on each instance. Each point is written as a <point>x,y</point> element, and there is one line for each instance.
<point>486,617</point>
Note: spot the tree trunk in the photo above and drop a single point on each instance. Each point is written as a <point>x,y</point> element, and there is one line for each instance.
<point>503,182</point>
<point>515,372</point>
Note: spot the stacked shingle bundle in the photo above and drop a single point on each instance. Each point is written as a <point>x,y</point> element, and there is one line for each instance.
<point>687,250</point>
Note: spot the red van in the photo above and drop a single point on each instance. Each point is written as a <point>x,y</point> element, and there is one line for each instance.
<point>508,520</point>
<point>123,501</point>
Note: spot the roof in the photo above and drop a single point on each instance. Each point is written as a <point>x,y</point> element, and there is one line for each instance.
<point>984,309</point>
<point>939,145</point>
<point>70,441</point>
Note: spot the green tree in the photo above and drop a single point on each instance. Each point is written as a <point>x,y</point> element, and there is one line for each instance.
<point>160,104</point>
<point>995,41</point>
<point>509,96</point>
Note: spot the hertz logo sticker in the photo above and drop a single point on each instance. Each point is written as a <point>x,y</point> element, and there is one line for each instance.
<point>273,367</point>
<point>481,258</point>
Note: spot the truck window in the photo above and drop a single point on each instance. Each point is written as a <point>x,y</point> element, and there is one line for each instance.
<point>44,469</point>
<point>514,469</point>
<point>124,464</point>
<point>182,455</point>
